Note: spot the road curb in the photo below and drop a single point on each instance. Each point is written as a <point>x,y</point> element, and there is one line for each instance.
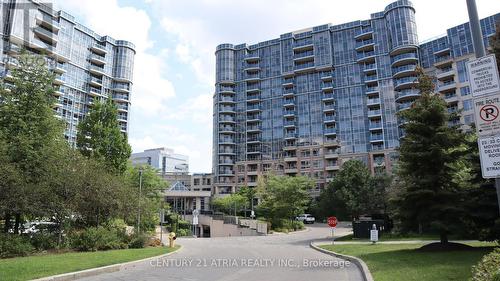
<point>100,270</point>
<point>365,272</point>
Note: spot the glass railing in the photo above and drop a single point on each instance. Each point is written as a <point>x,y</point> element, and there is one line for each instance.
<point>329,106</point>
<point>289,101</point>
<point>369,66</point>
<point>373,112</point>
<point>304,65</point>
<point>364,42</point>
<point>409,67</point>
<point>98,57</point>
<point>373,101</point>
<point>405,80</point>
<point>304,54</point>
<point>226,140</point>
<point>253,128</point>
<point>365,54</point>
<point>122,97</point>
<point>302,43</point>
<point>326,85</point>
<point>226,108</point>
<point>405,93</point>
<point>365,31</point>
<point>404,56</point>
<point>328,96</point>
<point>226,89</point>
<point>253,117</point>
<point>253,107</point>
<point>330,131</point>
<point>289,123</point>
<point>370,77</point>
<point>371,89</point>
<point>252,76</point>
<point>226,128</point>
<point>376,137</point>
<point>443,58</point>
<point>375,125</point>
<point>96,80</point>
<point>253,97</point>
<point>329,118</point>
<point>406,105</point>
<point>291,135</point>
<point>227,99</point>
<point>228,119</point>
<point>288,112</point>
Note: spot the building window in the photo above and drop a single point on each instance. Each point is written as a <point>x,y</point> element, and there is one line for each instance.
<point>468,104</point>
<point>464,91</point>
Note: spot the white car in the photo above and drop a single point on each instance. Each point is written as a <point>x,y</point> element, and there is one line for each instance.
<point>306,218</point>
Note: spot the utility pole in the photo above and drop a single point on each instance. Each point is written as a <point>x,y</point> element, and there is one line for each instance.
<point>479,49</point>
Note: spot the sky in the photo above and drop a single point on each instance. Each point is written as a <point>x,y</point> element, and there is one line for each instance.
<point>174,73</point>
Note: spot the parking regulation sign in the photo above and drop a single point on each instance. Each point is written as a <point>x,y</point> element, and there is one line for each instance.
<point>487,115</point>
<point>483,76</point>
<point>489,152</point>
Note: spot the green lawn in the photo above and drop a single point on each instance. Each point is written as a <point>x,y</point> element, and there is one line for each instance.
<point>403,262</point>
<point>26,268</point>
<point>396,237</point>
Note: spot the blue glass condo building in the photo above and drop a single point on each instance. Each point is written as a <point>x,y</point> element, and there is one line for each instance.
<point>88,67</point>
<point>304,103</point>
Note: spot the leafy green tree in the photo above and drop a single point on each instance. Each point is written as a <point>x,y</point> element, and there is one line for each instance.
<point>354,192</point>
<point>431,196</point>
<point>231,204</point>
<point>29,132</point>
<point>99,137</point>
<point>284,198</point>
<point>150,200</point>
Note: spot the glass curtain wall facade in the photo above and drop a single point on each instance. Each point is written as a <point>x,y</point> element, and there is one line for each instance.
<point>309,100</point>
<point>306,102</point>
<point>88,67</point>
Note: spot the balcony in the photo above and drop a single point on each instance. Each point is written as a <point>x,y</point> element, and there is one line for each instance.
<point>445,73</point>
<point>59,80</point>
<point>253,98</point>
<point>371,102</point>
<point>404,106</point>
<point>252,67</point>
<point>331,153</point>
<point>444,51</point>
<point>405,58</point>
<point>290,135</point>
<point>331,142</point>
<point>226,141</point>
<point>252,58</point>
<point>303,45</point>
<point>227,109</point>
<point>287,113</point>
<point>95,81</point>
<point>371,79</point>
<point>254,128</point>
<point>372,90</point>
<point>253,118</point>
<point>226,100</point>
<point>376,138</point>
<point>252,77</point>
<point>226,173</point>
<point>291,170</point>
<point>253,107</point>
<point>370,68</point>
<point>409,94</point>
<point>328,107</point>
<point>289,124</point>
<point>290,158</point>
<point>288,82</point>
<point>366,57</point>
<point>375,126</point>
<point>327,87</point>
<point>329,119</point>
<point>97,70</point>
<point>332,166</point>
<point>327,97</point>
<point>48,22</point>
<point>304,56</point>
<point>451,97</point>
<point>226,120</point>
<point>98,49</point>
<point>374,113</point>
<point>226,162</point>
<point>405,83</point>
<point>443,61</point>
<point>288,94</point>
<point>59,68</point>
<point>404,70</point>
<point>226,129</point>
<point>304,67</point>
<point>226,152</point>
<point>366,33</point>
<point>226,90</point>
<point>45,35</point>
<point>121,98</point>
<point>330,131</point>
<point>122,107</point>
<point>365,45</point>
<point>447,86</point>
<point>97,59</point>
<point>253,89</point>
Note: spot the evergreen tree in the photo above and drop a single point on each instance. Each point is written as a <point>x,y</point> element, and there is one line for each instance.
<point>429,167</point>
<point>99,137</point>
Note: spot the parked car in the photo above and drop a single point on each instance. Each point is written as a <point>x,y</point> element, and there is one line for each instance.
<point>306,218</point>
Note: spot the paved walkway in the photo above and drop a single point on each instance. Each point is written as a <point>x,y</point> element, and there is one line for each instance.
<point>279,257</point>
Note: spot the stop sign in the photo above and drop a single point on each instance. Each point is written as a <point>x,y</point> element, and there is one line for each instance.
<point>332,221</point>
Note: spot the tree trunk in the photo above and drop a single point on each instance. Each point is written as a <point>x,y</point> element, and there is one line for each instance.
<point>443,236</point>
<point>17,223</point>
<point>7,222</point>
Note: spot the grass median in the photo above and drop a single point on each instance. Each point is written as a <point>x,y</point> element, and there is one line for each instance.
<point>388,262</point>
<point>32,267</point>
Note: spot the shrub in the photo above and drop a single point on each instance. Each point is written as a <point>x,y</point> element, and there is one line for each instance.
<point>487,269</point>
<point>97,238</point>
<point>44,241</point>
<point>183,232</point>
<point>138,241</point>
<point>14,246</point>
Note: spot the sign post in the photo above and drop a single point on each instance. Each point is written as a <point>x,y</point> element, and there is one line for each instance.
<point>374,234</point>
<point>195,220</point>
<point>332,222</point>
<point>485,87</point>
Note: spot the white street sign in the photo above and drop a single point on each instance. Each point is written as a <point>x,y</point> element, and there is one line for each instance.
<point>487,115</point>
<point>374,235</point>
<point>489,152</point>
<point>195,220</point>
<point>483,76</point>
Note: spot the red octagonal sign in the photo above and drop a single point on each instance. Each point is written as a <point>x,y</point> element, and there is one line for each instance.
<point>332,221</point>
